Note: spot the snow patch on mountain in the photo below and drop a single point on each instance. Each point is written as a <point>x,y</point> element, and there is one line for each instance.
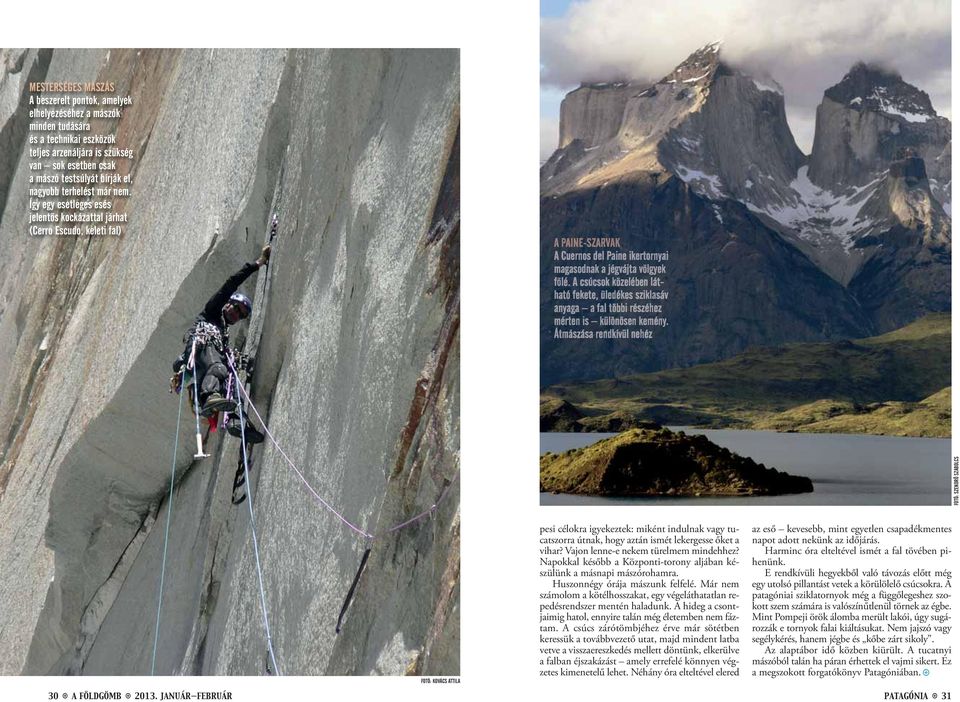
<point>702,183</point>
<point>817,214</point>
<point>769,85</point>
<point>908,111</point>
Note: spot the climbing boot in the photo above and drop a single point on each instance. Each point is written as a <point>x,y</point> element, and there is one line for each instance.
<point>252,435</point>
<point>217,402</point>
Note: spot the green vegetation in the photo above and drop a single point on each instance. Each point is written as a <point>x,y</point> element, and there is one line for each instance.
<point>661,462</point>
<point>929,417</point>
<point>897,383</point>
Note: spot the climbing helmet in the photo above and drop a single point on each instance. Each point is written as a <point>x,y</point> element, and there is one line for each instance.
<point>242,301</point>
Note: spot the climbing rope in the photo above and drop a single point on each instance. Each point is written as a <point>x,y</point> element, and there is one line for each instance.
<point>327,505</point>
<point>425,513</point>
<point>254,340</point>
<point>166,533</point>
<point>367,535</point>
<point>253,526</point>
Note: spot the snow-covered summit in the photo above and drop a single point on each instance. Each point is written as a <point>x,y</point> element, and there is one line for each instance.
<point>866,120</point>
<point>870,87</point>
<point>698,67</point>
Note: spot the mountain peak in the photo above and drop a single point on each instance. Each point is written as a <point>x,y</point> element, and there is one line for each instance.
<point>698,66</point>
<point>872,71</point>
<point>880,89</point>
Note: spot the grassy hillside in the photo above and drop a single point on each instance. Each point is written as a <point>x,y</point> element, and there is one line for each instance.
<point>661,462</point>
<point>896,383</point>
<point>929,417</point>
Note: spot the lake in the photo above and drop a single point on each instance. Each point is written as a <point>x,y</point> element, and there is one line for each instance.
<point>846,469</point>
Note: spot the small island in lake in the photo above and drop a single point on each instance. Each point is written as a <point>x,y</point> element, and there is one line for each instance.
<point>648,462</point>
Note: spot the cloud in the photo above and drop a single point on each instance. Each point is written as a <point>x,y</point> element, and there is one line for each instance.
<point>805,46</point>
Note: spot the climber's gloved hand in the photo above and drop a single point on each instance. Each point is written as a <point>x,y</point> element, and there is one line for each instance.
<point>264,256</point>
<point>175,381</point>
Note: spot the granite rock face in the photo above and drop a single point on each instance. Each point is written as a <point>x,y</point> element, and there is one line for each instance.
<point>853,239</point>
<point>865,120</point>
<point>19,68</point>
<point>592,113</point>
<point>732,283</point>
<point>868,126</point>
<point>720,130</point>
<point>357,374</point>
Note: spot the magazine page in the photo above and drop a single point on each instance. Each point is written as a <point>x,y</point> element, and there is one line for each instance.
<point>745,295</point>
<point>229,316</point>
<point>746,485</point>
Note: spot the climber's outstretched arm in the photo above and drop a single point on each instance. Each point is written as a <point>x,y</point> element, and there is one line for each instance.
<point>215,304</point>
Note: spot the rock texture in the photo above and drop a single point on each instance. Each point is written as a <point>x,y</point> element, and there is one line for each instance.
<point>592,113</point>
<point>865,120</point>
<point>682,125</point>
<point>732,283</point>
<point>660,462</point>
<point>357,373</point>
<point>867,125</point>
<point>906,262</point>
<point>766,244</point>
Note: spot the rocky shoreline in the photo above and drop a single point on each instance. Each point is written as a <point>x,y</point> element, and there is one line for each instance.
<point>649,462</point>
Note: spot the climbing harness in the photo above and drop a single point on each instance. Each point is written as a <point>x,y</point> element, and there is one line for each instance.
<point>199,336</point>
<point>204,333</point>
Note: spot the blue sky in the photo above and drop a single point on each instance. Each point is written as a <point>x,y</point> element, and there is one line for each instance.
<point>553,8</point>
<point>550,96</point>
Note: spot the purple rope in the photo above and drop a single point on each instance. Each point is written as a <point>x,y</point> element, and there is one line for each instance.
<point>323,502</point>
<point>430,511</point>
<point>296,470</point>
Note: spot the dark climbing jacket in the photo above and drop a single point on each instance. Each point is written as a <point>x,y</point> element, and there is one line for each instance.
<point>210,326</point>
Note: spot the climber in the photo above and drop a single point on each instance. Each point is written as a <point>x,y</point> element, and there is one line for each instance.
<point>226,307</point>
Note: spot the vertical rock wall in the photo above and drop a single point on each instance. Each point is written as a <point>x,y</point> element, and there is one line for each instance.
<point>357,375</point>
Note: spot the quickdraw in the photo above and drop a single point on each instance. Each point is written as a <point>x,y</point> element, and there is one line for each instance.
<point>206,333</point>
